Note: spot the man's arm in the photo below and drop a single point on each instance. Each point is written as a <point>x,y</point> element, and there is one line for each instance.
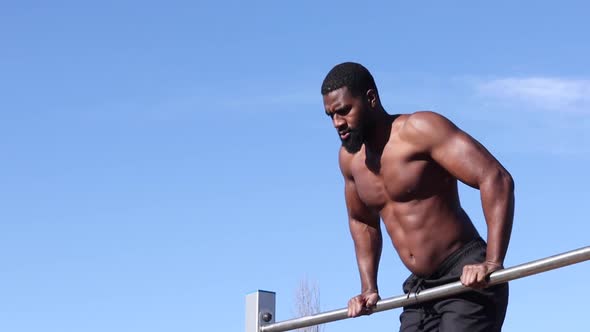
<point>470,162</point>
<point>365,229</point>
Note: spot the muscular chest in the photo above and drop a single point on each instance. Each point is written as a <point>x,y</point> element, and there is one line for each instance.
<point>394,179</point>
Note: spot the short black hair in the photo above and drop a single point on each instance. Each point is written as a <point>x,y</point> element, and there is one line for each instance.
<point>352,75</point>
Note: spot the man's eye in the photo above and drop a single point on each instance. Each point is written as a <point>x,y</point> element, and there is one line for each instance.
<point>343,111</point>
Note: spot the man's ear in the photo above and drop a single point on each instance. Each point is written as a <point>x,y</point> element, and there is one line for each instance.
<point>372,98</point>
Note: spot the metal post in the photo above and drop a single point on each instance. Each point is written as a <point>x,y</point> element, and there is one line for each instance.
<point>260,309</point>
<point>498,277</point>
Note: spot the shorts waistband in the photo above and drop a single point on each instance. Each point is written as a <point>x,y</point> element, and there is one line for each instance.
<point>455,257</point>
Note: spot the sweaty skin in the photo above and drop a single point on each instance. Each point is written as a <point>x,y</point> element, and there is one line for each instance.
<point>405,174</point>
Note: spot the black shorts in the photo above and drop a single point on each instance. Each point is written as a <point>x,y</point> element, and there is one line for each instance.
<point>476,310</point>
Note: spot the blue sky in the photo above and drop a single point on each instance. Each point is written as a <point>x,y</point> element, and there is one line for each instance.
<point>161,160</point>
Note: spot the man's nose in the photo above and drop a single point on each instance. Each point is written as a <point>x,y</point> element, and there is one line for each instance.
<point>338,121</point>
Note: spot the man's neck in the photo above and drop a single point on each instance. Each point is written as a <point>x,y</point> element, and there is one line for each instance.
<point>378,132</point>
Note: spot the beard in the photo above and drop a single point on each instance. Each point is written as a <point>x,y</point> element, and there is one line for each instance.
<point>354,141</point>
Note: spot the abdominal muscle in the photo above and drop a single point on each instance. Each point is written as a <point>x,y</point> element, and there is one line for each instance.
<point>426,232</point>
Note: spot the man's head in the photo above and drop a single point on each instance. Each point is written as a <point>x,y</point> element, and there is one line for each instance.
<point>350,94</point>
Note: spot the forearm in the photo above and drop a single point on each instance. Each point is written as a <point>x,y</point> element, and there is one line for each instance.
<point>368,243</point>
<point>497,195</point>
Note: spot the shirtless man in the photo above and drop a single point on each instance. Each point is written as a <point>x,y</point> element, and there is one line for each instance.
<point>403,169</point>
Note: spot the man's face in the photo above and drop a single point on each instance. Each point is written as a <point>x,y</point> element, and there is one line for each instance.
<point>348,115</point>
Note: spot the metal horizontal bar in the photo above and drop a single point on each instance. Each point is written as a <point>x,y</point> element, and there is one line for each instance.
<point>498,277</point>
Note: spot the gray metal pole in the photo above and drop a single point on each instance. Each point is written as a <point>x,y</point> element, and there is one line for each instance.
<point>498,277</point>
<point>260,309</point>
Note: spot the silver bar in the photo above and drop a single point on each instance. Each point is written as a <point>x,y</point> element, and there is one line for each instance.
<point>498,277</point>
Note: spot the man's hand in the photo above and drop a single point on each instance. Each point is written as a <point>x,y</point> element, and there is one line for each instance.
<point>475,275</point>
<point>363,304</point>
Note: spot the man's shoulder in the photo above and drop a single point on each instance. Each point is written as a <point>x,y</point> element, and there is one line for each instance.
<point>420,119</point>
<point>421,125</point>
<point>345,159</point>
